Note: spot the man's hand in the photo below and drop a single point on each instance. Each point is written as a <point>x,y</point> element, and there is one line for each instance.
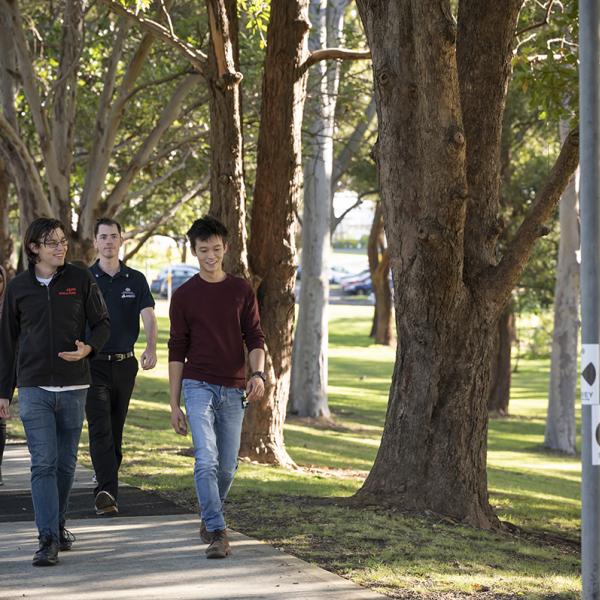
<point>148,358</point>
<point>82,351</point>
<point>255,389</point>
<point>178,420</point>
<point>4,410</point>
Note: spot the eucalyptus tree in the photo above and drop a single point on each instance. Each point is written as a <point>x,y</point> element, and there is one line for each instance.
<point>277,185</point>
<point>93,119</point>
<point>440,89</point>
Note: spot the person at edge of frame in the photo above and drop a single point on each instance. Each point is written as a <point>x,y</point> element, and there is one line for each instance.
<point>213,315</point>
<point>3,279</point>
<point>53,321</point>
<point>127,296</point>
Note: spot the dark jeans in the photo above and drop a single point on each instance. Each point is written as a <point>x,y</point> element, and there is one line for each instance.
<point>106,411</point>
<point>52,422</point>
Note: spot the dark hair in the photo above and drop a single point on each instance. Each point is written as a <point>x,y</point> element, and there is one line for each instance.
<point>205,228</point>
<point>106,221</point>
<point>37,233</point>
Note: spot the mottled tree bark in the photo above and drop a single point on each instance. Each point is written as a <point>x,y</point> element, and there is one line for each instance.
<point>440,96</point>
<point>309,361</point>
<point>227,187</point>
<point>276,197</point>
<point>561,427</point>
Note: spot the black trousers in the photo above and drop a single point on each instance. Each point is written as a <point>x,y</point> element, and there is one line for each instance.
<point>106,410</point>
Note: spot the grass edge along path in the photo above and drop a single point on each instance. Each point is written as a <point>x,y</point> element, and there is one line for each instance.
<point>307,512</point>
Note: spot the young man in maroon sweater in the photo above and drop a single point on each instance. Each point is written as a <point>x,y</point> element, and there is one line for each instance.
<point>213,315</point>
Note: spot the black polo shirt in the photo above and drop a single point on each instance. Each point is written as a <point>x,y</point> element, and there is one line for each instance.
<point>126,295</point>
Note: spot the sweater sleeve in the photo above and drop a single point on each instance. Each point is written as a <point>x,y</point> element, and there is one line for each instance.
<point>250,322</point>
<point>179,336</point>
<point>9,335</point>
<point>96,315</point>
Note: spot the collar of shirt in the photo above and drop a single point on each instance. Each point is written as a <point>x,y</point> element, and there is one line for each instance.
<point>98,272</point>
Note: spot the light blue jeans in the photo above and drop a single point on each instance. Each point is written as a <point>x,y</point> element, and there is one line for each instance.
<point>52,422</point>
<point>215,414</point>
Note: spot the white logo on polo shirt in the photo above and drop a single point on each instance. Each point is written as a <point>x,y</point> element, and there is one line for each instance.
<point>127,293</point>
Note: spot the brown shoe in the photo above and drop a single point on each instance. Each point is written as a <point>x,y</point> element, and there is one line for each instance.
<point>205,535</point>
<point>219,547</point>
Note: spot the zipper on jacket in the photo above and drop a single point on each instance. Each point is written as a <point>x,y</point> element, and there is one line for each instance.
<point>51,334</point>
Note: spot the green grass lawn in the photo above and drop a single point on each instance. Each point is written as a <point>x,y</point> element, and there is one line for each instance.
<point>306,512</point>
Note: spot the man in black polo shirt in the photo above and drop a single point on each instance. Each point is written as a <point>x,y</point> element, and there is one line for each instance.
<point>127,296</point>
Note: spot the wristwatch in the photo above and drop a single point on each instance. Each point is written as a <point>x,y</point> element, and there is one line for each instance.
<point>260,374</point>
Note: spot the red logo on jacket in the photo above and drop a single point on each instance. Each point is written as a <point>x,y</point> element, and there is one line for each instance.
<point>68,292</point>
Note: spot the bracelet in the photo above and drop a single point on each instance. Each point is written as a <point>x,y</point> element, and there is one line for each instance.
<point>260,374</point>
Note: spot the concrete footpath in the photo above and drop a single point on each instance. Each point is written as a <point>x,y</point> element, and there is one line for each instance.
<point>153,556</point>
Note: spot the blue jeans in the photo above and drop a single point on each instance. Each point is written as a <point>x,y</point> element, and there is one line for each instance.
<point>52,422</point>
<point>215,414</point>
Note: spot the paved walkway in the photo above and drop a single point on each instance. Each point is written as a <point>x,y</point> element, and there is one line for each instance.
<point>150,557</point>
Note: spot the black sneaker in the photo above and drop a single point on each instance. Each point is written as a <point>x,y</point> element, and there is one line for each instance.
<point>47,554</point>
<point>106,503</point>
<point>65,538</point>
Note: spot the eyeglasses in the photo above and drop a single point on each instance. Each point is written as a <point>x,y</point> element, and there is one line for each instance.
<point>53,244</point>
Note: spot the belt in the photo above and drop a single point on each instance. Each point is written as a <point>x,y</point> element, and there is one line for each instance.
<point>114,357</point>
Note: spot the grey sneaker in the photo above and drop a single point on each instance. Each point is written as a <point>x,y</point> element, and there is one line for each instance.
<point>105,503</point>
<point>219,547</point>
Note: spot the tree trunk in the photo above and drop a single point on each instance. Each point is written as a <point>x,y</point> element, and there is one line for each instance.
<point>6,242</point>
<point>433,450</point>
<point>560,422</point>
<point>499,395</point>
<point>227,187</point>
<point>379,265</point>
<point>275,203</point>
<point>309,364</point>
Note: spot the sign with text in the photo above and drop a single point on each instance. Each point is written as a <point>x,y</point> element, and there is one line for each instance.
<point>589,374</point>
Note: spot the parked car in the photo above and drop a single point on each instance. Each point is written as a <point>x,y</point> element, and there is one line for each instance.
<point>359,284</point>
<point>354,276</point>
<point>180,273</point>
<point>335,274</point>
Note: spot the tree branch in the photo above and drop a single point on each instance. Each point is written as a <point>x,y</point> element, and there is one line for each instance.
<point>194,56</point>
<point>156,181</point>
<point>334,54</point>
<point>38,114</point>
<point>65,93</point>
<point>342,162</point>
<point>541,23</point>
<point>222,43</point>
<point>498,282</point>
<point>337,220</point>
<point>108,121</point>
<point>26,175</point>
<point>169,114</point>
<point>200,187</point>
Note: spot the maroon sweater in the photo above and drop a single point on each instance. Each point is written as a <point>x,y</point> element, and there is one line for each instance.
<point>210,323</point>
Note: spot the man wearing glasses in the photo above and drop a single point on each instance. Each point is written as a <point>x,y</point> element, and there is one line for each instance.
<point>43,326</point>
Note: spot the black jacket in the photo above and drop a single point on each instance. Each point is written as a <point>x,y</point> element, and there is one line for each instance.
<point>38,322</point>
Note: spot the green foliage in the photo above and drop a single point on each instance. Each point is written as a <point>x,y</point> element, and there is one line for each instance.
<point>254,15</point>
<point>546,64</point>
<point>351,242</point>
